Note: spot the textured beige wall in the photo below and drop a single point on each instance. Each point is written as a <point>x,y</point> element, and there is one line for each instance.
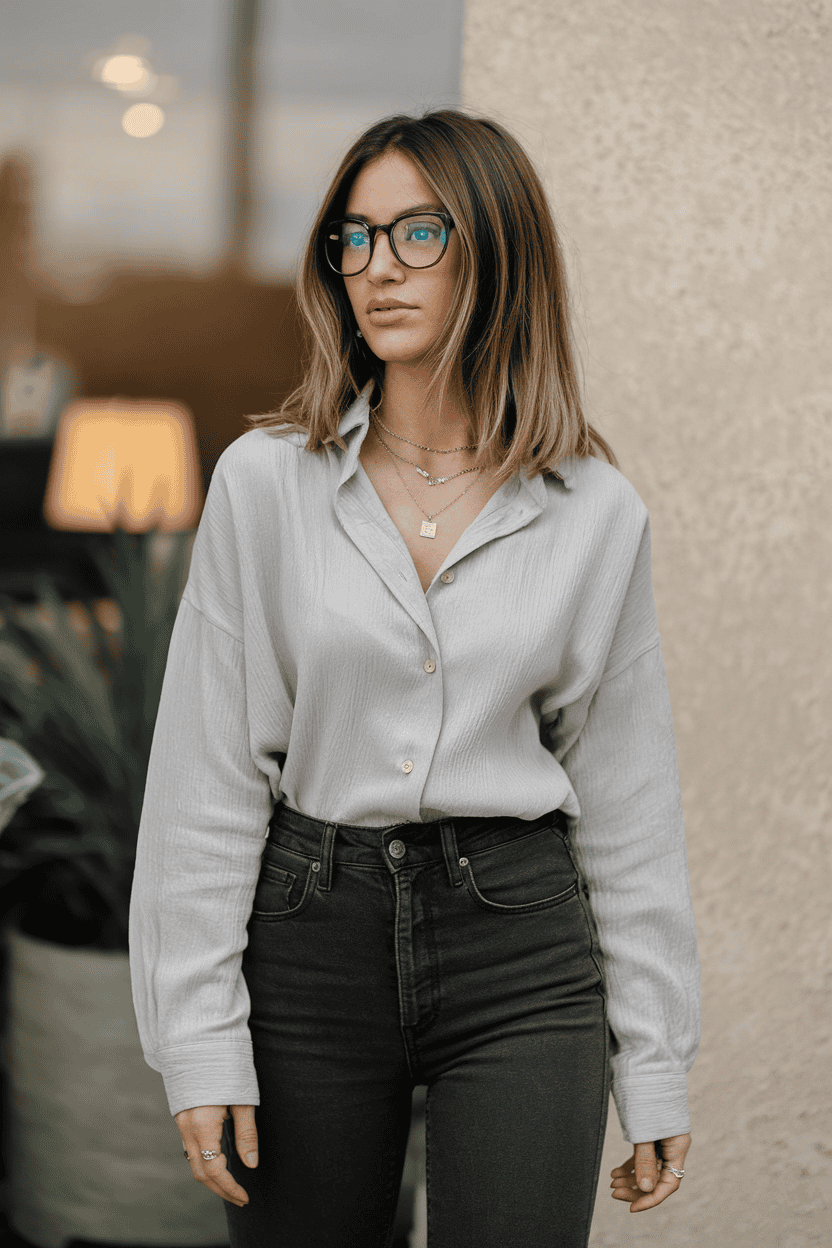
<point>687,148</point>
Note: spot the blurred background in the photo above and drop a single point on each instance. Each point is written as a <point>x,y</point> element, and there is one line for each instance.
<point>162,164</point>
<point>159,167</point>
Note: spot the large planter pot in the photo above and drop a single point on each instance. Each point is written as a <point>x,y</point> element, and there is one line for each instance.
<point>91,1149</point>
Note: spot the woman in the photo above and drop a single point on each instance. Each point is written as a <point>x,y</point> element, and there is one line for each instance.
<point>418,652</point>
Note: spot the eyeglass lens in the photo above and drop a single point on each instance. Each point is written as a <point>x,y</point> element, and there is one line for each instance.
<point>417,241</point>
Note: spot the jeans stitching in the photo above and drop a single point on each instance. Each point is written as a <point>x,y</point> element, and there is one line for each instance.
<point>433,955</point>
<point>404,1027</point>
<point>429,1016</point>
<point>326,855</point>
<point>525,907</point>
<point>594,949</point>
<point>513,840</point>
<point>276,916</point>
<point>600,989</point>
<point>602,1125</point>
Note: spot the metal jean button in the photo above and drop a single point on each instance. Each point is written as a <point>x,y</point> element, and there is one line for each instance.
<point>398,849</point>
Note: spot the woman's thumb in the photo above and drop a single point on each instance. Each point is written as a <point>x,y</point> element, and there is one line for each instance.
<point>245,1133</point>
<point>645,1166</point>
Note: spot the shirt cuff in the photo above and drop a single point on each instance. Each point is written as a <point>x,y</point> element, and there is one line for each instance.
<point>207,1074</point>
<point>651,1107</point>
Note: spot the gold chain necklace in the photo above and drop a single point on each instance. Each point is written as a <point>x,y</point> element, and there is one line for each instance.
<point>431,480</point>
<point>436,450</point>
<point>428,528</point>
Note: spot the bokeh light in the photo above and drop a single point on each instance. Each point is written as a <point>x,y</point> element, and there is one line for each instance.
<point>126,73</point>
<point>143,120</point>
<point>134,460</point>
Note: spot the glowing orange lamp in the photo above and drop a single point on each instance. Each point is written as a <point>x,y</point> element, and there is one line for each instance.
<point>131,462</point>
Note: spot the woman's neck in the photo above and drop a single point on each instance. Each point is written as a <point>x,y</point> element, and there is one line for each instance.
<point>407,411</point>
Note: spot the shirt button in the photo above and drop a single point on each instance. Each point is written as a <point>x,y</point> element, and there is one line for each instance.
<point>407,765</point>
<point>429,665</point>
<point>447,577</point>
<point>398,849</point>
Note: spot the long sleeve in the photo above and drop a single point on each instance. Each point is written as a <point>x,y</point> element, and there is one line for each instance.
<point>204,819</point>
<point>629,846</point>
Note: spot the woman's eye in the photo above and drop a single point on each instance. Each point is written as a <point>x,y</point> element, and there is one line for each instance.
<point>356,238</point>
<point>422,233</point>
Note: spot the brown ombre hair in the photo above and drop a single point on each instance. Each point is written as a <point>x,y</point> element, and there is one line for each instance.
<point>508,333</point>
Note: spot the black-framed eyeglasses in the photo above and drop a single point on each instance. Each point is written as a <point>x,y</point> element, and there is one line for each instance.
<point>418,239</point>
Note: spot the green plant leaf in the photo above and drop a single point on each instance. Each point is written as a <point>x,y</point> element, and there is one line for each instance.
<point>86,713</point>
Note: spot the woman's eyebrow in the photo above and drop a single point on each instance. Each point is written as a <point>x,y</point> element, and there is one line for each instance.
<point>362,216</point>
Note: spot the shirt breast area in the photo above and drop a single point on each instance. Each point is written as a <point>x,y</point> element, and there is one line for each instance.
<point>530,611</point>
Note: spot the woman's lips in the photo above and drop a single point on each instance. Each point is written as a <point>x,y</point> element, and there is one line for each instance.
<point>385,316</point>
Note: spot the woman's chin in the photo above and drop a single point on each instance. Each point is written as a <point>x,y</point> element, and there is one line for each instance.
<point>397,353</point>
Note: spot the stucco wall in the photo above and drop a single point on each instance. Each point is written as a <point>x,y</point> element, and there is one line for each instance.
<point>687,148</point>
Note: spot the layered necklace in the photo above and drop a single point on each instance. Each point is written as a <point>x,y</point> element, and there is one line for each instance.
<point>428,528</point>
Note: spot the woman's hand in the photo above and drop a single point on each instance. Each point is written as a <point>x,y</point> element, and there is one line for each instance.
<point>642,1180</point>
<point>201,1128</point>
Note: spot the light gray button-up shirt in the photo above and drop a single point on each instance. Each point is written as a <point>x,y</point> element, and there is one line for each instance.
<point>307,665</point>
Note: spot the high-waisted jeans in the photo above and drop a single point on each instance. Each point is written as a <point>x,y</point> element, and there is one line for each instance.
<point>461,955</point>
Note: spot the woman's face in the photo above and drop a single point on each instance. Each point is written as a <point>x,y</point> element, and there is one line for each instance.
<point>382,191</point>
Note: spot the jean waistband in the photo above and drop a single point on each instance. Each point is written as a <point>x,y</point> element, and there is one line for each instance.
<point>424,842</point>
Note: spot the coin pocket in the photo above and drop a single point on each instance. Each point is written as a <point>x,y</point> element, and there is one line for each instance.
<point>282,893</point>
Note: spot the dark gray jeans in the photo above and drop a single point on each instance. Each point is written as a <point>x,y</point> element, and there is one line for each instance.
<point>460,955</point>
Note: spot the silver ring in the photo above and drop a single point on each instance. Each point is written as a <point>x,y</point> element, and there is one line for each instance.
<point>209,1154</point>
<point>680,1174</point>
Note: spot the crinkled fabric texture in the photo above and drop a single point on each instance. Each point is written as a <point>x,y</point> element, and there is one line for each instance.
<point>296,674</point>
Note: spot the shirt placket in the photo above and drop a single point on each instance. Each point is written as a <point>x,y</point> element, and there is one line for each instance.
<point>367,523</point>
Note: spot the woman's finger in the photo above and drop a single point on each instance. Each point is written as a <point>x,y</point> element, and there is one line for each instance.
<point>666,1186</point>
<point>245,1133</point>
<point>626,1178</point>
<point>674,1150</point>
<point>641,1170</point>
<point>645,1166</point>
<point>209,1167</point>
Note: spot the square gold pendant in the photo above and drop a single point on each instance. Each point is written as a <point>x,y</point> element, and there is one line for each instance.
<point>427,529</point>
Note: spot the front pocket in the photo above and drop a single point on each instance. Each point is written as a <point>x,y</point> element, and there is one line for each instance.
<point>282,893</point>
<point>531,873</point>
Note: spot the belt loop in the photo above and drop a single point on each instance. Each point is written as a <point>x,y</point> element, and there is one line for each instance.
<point>451,851</point>
<point>327,842</point>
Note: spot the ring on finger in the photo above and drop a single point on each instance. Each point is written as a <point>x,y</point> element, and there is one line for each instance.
<point>208,1154</point>
<point>680,1174</point>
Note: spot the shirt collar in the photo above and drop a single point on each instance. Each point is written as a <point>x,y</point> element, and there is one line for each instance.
<point>535,486</point>
<point>358,413</point>
<point>357,417</point>
<point>566,471</point>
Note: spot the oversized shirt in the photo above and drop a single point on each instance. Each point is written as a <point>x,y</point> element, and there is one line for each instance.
<point>296,673</point>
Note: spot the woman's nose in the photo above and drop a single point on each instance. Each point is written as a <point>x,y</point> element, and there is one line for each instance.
<point>383,262</point>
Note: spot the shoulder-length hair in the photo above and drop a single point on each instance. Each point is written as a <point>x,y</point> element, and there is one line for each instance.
<point>508,331</point>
